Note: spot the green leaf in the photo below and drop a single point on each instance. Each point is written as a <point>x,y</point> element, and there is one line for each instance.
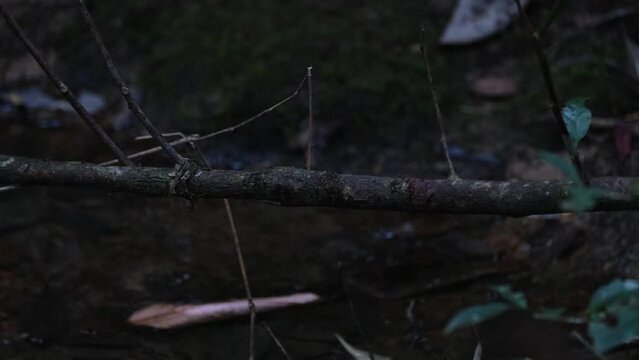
<point>566,167</point>
<point>577,118</point>
<point>614,292</point>
<point>475,314</point>
<point>517,298</point>
<point>550,313</point>
<point>607,335</point>
<point>580,198</point>
<point>359,354</point>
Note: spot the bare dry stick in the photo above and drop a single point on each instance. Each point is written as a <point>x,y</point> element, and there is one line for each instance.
<point>62,88</point>
<point>550,89</point>
<point>300,187</point>
<point>238,252</point>
<point>276,340</point>
<point>586,344</point>
<point>240,258</point>
<point>247,287</point>
<point>309,150</point>
<point>196,138</point>
<point>438,113</point>
<point>124,89</point>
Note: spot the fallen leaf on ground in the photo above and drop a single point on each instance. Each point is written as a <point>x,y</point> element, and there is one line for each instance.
<point>494,87</point>
<point>167,316</point>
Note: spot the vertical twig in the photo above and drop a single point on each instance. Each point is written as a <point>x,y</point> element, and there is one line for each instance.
<point>62,88</point>
<point>309,149</point>
<point>124,89</point>
<point>438,113</point>
<point>247,287</point>
<point>550,90</point>
<point>240,257</point>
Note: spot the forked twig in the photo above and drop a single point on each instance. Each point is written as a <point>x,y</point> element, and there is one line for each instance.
<point>191,138</point>
<point>309,149</point>
<point>438,113</point>
<point>62,88</point>
<point>197,138</point>
<point>124,89</point>
<point>550,90</point>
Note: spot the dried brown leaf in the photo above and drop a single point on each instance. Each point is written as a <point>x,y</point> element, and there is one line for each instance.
<point>167,316</point>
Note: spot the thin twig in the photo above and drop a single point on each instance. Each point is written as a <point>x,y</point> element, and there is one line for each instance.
<point>240,257</point>
<point>247,287</point>
<point>586,344</point>
<point>438,113</point>
<point>124,89</point>
<point>62,88</point>
<point>258,115</point>
<point>171,134</point>
<point>276,340</point>
<point>309,150</point>
<point>552,93</point>
<point>196,138</point>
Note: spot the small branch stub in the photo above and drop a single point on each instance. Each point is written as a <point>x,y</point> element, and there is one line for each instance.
<point>309,149</point>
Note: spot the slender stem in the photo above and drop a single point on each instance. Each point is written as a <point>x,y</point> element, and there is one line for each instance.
<point>247,287</point>
<point>586,344</point>
<point>240,260</point>
<point>438,113</point>
<point>62,88</point>
<point>196,138</point>
<point>238,252</point>
<point>552,93</point>
<point>124,89</point>
<point>309,149</point>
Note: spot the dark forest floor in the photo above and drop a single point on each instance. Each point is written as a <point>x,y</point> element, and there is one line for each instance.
<point>74,263</point>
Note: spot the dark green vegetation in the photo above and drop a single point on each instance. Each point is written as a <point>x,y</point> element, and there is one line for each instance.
<point>202,65</point>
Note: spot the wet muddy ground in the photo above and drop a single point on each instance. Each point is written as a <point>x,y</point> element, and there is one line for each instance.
<point>75,263</point>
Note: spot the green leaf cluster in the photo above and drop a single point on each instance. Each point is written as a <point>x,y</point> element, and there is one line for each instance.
<point>511,300</point>
<point>614,314</point>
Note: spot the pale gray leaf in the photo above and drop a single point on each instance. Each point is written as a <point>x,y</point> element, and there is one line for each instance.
<point>475,20</point>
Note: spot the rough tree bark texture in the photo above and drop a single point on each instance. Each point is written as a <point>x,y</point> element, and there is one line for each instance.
<point>297,187</point>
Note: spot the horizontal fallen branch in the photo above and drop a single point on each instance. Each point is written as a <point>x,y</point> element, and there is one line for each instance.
<point>297,187</point>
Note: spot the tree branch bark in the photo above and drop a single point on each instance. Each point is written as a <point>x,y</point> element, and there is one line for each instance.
<point>297,187</point>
